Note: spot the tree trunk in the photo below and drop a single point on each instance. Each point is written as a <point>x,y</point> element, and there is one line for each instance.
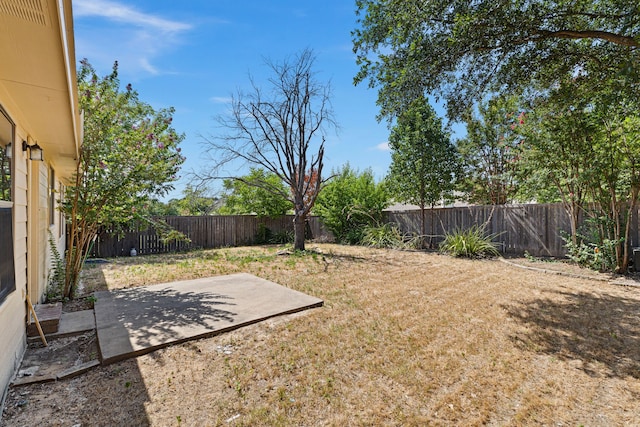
<point>573,215</point>
<point>423,225</point>
<point>624,267</point>
<point>433,231</point>
<point>299,221</point>
<point>617,229</point>
<point>80,242</point>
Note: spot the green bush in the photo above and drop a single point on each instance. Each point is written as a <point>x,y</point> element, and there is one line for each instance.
<point>266,236</point>
<point>282,237</point>
<point>469,243</point>
<point>601,257</point>
<point>387,236</point>
<point>350,202</point>
<point>594,249</point>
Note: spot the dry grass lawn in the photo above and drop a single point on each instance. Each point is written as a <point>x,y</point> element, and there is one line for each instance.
<point>404,339</point>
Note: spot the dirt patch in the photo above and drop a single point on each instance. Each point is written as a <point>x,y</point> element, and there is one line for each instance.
<point>60,354</point>
<point>78,304</point>
<point>404,338</point>
<point>42,364</point>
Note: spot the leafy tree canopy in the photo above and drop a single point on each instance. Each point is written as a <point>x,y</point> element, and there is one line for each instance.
<point>129,154</point>
<point>156,208</point>
<point>460,49</point>
<point>350,201</point>
<point>196,201</point>
<point>260,192</point>
<point>489,151</point>
<point>424,162</point>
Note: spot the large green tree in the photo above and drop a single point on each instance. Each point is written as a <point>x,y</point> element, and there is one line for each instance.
<point>197,201</point>
<point>618,158</point>
<point>557,151</point>
<point>350,201</point>
<point>260,192</point>
<point>584,137</point>
<point>281,130</point>
<point>129,153</point>
<point>424,162</point>
<point>459,49</point>
<point>489,152</point>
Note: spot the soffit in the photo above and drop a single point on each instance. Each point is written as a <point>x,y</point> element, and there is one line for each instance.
<point>35,59</point>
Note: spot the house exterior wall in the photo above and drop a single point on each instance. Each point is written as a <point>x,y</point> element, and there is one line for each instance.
<point>38,222</point>
<point>39,95</point>
<point>13,309</point>
<point>32,254</point>
<point>33,257</point>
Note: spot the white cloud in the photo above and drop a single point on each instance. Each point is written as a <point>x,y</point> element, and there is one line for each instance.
<point>120,32</point>
<point>383,146</point>
<point>220,99</point>
<point>144,63</point>
<point>125,14</point>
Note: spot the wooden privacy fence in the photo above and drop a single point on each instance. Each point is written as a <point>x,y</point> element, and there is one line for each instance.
<point>205,232</point>
<point>535,228</point>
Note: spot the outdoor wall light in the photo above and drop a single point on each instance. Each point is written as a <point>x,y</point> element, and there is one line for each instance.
<point>8,151</point>
<point>35,151</point>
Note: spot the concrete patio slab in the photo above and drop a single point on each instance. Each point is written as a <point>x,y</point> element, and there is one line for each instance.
<point>135,321</point>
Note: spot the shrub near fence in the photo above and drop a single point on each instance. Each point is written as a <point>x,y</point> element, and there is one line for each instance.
<point>205,232</point>
<point>534,228</point>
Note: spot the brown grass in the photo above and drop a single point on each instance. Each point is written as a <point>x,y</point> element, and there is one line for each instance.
<point>404,338</point>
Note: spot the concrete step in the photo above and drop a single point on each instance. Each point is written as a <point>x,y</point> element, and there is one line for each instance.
<point>49,318</point>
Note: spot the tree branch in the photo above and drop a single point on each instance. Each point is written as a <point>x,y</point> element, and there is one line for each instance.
<point>586,34</point>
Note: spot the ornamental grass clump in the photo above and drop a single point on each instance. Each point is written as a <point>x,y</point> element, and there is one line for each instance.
<point>469,243</point>
<point>388,236</point>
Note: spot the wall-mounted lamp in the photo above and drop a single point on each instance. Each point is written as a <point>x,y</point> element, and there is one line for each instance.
<point>35,151</point>
<point>8,151</point>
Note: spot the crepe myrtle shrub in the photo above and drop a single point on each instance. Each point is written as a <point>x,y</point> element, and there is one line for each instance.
<point>129,154</point>
<point>470,243</point>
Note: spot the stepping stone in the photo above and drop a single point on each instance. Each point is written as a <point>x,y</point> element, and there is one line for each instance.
<point>49,317</point>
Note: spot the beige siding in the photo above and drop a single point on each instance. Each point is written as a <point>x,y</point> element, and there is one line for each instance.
<point>41,201</point>
<point>40,97</point>
<point>12,336</point>
<point>13,310</point>
<point>58,228</point>
<point>32,254</point>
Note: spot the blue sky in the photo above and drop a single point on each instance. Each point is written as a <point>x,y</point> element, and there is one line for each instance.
<point>194,54</point>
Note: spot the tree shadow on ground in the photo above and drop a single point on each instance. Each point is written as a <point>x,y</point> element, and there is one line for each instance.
<point>593,328</point>
<point>166,312</point>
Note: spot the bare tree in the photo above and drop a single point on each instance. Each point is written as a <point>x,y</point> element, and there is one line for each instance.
<point>280,131</point>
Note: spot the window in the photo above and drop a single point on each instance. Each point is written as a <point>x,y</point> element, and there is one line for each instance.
<point>6,138</point>
<point>7,270</point>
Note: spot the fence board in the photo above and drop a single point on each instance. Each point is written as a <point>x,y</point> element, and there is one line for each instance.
<point>205,232</point>
<point>532,228</point>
